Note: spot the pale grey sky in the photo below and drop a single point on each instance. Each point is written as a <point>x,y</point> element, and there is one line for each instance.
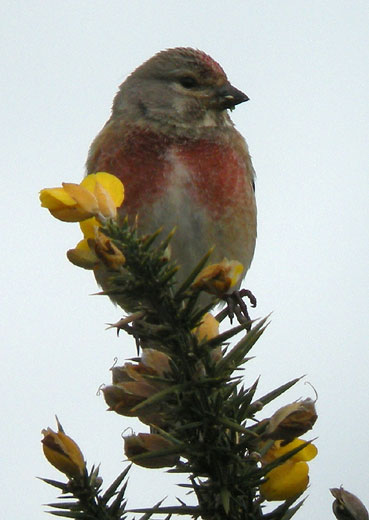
<point>304,65</point>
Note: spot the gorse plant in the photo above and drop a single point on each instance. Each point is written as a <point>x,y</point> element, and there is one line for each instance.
<point>185,385</point>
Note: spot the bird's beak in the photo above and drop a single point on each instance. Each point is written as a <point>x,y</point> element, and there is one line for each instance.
<point>229,96</point>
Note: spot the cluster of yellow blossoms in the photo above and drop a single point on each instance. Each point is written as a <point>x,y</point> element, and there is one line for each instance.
<point>90,203</point>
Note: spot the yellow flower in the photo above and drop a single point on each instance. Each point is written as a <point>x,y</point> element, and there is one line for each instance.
<point>208,328</point>
<point>219,279</point>
<point>99,195</point>
<point>292,476</point>
<point>62,452</point>
<point>90,203</point>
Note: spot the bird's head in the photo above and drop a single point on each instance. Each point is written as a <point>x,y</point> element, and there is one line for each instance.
<point>178,87</point>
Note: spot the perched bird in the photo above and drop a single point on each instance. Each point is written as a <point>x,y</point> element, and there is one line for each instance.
<point>171,141</point>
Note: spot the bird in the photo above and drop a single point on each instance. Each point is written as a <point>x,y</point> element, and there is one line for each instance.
<point>172,143</point>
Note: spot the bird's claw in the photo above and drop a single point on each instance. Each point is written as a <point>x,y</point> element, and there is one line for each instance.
<point>237,307</point>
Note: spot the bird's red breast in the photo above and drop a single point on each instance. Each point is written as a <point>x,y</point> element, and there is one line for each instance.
<point>203,187</point>
<point>148,163</point>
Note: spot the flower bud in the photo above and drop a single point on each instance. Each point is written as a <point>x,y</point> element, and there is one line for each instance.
<point>62,452</point>
<point>348,506</point>
<point>108,252</point>
<point>83,256</point>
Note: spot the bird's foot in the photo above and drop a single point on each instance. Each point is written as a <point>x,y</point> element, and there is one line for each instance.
<point>237,307</point>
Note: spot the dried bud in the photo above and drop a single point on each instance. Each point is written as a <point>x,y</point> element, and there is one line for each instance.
<point>120,401</point>
<point>347,506</point>
<point>120,375</point>
<point>150,443</point>
<point>257,406</point>
<point>156,360</point>
<point>62,452</point>
<point>291,421</point>
<point>152,363</point>
<point>108,253</point>
<point>134,383</point>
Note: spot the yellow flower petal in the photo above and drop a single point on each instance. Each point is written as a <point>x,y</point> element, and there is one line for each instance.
<point>286,481</point>
<point>83,197</point>
<point>110,182</point>
<point>89,227</point>
<point>62,205</point>
<point>236,270</point>
<point>55,198</point>
<point>83,245</point>
<point>105,201</point>
<point>307,453</point>
<point>72,214</point>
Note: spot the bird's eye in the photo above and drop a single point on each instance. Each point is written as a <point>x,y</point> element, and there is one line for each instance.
<point>188,82</point>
